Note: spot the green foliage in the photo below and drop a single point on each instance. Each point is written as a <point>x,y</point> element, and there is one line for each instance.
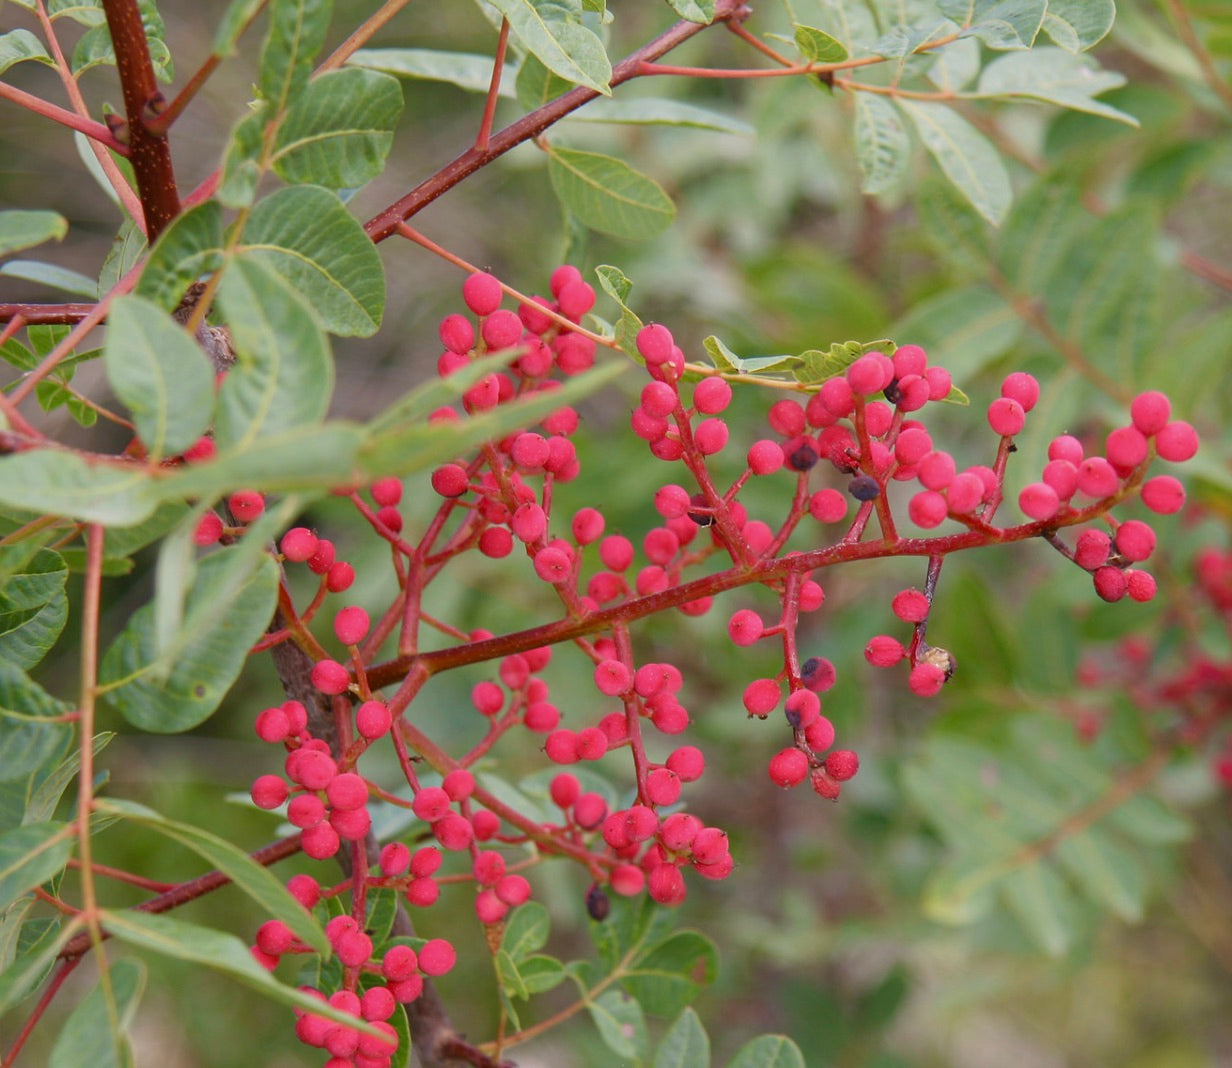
<point>1010,183</point>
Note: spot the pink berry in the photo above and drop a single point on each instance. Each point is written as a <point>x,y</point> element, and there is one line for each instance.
<point>1140,585</point>
<point>330,677</point>
<point>925,680</point>
<point>964,494</point>
<point>395,859</point>
<point>936,470</point>
<point>788,767</point>
<point>482,293</point>
<point>939,383</point>
<point>1062,476</point>
<point>836,397</point>
<point>1006,417</point>
<point>457,333</point>
<point>553,565</point>
<point>1039,501</point>
<point>273,725</point>
<point>340,577</point>
<point>786,418</point>
<point>1097,477</point>
<point>842,764</point>
<point>1163,494</point>
<point>662,786</point>
<point>911,606</point>
<point>373,720</point>
<point>909,360</point>
<point>351,625</point>
<point>745,627</point>
<point>828,506</point>
<point>450,480</point>
<point>268,791</point>
<point>1021,387</point>
<point>871,373</point>
<point>820,734</point>
<point>1092,549</point>
<point>884,651</point>
<point>1135,540</point>
<point>710,436</point>
<point>665,885</point>
<point>1176,442</point>
<point>1125,448</point>
<point>765,457</point>
<point>912,445</point>
<point>562,276</point>
<point>1066,447</point>
<point>927,509</point>
<point>612,677</point>
<point>1110,583</point>
<point>436,957</point>
<point>246,505</point>
<point>347,791</point>
<point>687,762</point>
<point>761,696</point>
<point>712,396</point>
<point>501,330</point>
<point>655,344</point>
<point>299,544</point>
<point>1150,411</point>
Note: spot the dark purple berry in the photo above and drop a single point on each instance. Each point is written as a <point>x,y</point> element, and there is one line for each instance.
<point>597,903</point>
<point>864,488</point>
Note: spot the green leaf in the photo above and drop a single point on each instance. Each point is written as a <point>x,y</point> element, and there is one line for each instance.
<point>242,164</point>
<point>403,449</point>
<point>1044,906</point>
<point>467,70</point>
<point>1045,224</point>
<point>27,739</point>
<point>882,145</point>
<point>1000,24</point>
<point>621,1023</point>
<point>565,47</point>
<point>283,375</point>
<point>669,976</point>
<point>539,973</point>
<point>25,229</point>
<point>1055,77</point>
<point>1106,872</point>
<point>160,374</point>
<point>33,609</point>
<point>234,21</point>
<point>304,458</point>
<point>53,275</point>
<point>955,231</point>
<point>50,789</point>
<point>1077,25</point>
<point>30,855</point>
<point>659,111</point>
<point>306,234</point>
<point>123,541</point>
<point>85,12</point>
<point>95,1032</point>
<point>964,155</point>
<point>768,1051</point>
<point>535,85</point>
<point>52,482</point>
<point>207,668</point>
<point>817,46</point>
<point>725,360</point>
<point>339,130</point>
<point>608,195</point>
<point>956,64</point>
<point>17,46</point>
<point>42,941</point>
<point>701,11</point>
<point>1100,280</point>
<point>127,247</point>
<point>686,1044</point>
<point>253,879</point>
<point>189,248</point>
<point>526,931</point>
<point>215,949</point>
<point>296,33</point>
<point>615,284</point>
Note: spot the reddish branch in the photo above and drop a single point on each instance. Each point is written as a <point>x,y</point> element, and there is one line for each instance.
<point>149,154</point>
<point>393,671</point>
<point>529,126</point>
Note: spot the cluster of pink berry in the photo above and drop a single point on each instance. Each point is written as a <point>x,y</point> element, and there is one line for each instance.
<point>500,502</point>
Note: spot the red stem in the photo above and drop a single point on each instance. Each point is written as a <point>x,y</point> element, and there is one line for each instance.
<point>149,153</point>
<point>529,126</point>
